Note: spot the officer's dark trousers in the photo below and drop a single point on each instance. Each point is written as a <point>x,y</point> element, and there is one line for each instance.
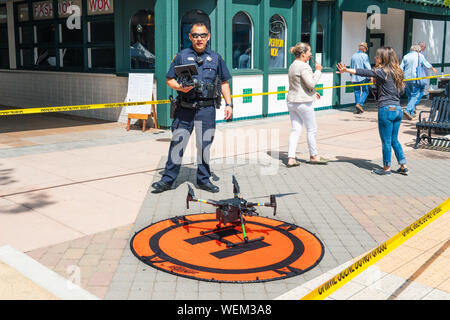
<point>204,121</point>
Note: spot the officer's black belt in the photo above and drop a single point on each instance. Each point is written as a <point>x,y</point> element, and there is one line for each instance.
<point>197,104</point>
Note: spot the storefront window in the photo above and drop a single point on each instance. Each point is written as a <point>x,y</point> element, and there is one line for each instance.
<point>142,40</point>
<point>46,57</point>
<point>323,29</point>
<point>277,42</point>
<point>71,57</point>
<point>63,35</point>
<point>70,35</point>
<point>101,58</point>
<point>306,36</point>
<point>45,33</point>
<point>4,52</point>
<point>26,34</point>
<point>26,57</point>
<point>101,31</point>
<point>242,41</point>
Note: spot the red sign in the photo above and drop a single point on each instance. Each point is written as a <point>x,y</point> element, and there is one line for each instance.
<point>43,10</point>
<point>100,7</point>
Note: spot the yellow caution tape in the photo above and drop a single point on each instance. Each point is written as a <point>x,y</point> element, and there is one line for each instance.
<point>141,103</point>
<point>80,107</point>
<point>343,277</point>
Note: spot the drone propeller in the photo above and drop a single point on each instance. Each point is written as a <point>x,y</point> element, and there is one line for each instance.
<point>278,195</point>
<point>191,197</point>
<point>272,204</point>
<point>236,189</point>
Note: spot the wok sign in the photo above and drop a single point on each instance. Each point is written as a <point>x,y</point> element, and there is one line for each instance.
<point>44,9</point>
<point>96,7</point>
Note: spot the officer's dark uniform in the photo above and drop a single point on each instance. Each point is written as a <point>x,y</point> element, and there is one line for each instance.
<point>209,64</point>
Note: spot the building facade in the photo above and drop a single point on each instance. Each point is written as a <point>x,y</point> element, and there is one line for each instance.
<point>74,52</point>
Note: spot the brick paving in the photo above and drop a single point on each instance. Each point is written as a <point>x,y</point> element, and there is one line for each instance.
<point>351,210</point>
<point>95,257</point>
<point>349,221</point>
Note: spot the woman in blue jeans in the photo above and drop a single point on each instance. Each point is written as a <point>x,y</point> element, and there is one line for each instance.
<point>388,77</point>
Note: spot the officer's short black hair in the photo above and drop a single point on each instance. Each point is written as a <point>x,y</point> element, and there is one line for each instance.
<point>199,24</point>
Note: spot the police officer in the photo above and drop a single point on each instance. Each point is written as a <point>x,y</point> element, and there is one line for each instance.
<point>196,108</point>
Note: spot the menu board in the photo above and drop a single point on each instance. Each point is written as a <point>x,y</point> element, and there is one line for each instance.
<point>140,88</point>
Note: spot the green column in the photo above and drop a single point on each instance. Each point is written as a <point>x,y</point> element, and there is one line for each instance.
<point>313,31</point>
<point>224,34</point>
<point>336,48</point>
<point>265,17</point>
<point>407,38</point>
<point>444,46</point>
<point>167,37</point>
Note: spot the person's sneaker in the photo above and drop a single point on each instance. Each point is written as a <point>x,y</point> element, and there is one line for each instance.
<point>161,186</point>
<point>359,108</point>
<point>407,115</point>
<point>381,172</point>
<point>208,187</point>
<point>403,171</point>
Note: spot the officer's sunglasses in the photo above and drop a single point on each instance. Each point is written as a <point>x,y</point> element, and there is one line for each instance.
<point>201,35</point>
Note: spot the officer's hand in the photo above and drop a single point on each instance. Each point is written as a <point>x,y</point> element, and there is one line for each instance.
<point>185,89</point>
<point>179,87</point>
<point>228,113</point>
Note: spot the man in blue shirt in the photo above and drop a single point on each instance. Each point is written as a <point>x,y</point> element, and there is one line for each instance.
<point>196,107</point>
<point>360,60</point>
<point>414,89</point>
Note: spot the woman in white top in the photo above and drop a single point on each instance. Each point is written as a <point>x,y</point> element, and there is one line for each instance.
<point>300,100</point>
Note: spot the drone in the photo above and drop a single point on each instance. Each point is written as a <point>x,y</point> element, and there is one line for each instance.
<point>232,211</point>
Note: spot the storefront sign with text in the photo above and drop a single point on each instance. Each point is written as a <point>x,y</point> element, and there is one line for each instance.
<point>96,7</point>
<point>42,10</point>
<point>64,9</point>
<point>274,45</point>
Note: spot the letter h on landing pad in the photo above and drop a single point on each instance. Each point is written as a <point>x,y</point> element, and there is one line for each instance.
<point>232,211</point>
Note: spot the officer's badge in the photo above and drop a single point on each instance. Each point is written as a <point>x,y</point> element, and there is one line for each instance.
<point>208,58</point>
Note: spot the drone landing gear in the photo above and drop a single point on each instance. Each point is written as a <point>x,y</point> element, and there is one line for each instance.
<point>219,228</point>
<point>230,227</point>
<point>246,240</point>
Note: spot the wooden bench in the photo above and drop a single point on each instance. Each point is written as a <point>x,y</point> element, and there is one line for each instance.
<point>438,121</point>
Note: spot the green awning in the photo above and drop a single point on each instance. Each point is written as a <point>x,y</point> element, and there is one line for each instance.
<point>433,3</point>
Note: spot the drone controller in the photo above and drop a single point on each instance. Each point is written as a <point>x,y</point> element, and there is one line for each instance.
<point>185,73</point>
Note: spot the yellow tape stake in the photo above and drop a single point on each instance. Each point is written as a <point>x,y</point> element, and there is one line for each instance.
<point>336,282</point>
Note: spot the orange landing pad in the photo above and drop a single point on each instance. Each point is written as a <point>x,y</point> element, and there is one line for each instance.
<point>176,246</point>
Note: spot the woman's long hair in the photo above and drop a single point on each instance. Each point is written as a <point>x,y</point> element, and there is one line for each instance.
<point>388,62</point>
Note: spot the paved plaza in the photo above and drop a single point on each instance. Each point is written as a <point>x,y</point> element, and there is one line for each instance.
<point>74,191</point>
